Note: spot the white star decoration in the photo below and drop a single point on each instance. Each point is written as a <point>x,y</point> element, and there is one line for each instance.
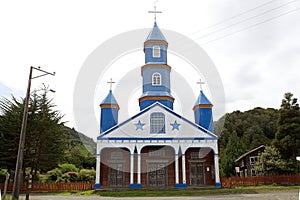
<point>175,125</point>
<point>139,125</point>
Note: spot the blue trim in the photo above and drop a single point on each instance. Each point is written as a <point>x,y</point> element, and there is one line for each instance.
<point>165,108</point>
<point>218,185</point>
<point>97,185</point>
<point>156,139</point>
<point>180,185</point>
<point>135,186</point>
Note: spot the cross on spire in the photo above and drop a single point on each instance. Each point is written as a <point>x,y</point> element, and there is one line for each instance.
<point>155,11</point>
<point>111,82</point>
<point>200,83</point>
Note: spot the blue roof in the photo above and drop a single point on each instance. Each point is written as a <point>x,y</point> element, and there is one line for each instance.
<point>156,34</point>
<point>110,99</point>
<point>202,99</point>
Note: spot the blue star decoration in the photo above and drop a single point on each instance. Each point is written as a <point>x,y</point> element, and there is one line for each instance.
<point>139,125</point>
<point>175,125</point>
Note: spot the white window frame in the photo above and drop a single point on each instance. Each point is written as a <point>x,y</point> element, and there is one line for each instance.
<point>156,79</point>
<point>157,123</point>
<point>156,51</point>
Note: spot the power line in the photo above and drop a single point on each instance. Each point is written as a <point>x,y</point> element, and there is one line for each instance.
<point>244,20</point>
<point>233,17</point>
<point>246,28</point>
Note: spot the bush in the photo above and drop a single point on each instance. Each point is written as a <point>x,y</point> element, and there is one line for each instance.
<point>68,168</point>
<point>54,175</point>
<point>3,175</point>
<point>87,175</point>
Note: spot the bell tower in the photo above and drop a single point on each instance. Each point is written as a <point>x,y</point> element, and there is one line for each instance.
<point>156,71</point>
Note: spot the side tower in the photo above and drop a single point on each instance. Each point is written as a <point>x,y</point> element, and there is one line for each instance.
<point>203,112</point>
<point>109,112</point>
<point>156,72</point>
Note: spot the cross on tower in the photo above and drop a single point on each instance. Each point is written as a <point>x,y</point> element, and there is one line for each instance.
<point>155,11</point>
<point>111,82</point>
<point>200,83</point>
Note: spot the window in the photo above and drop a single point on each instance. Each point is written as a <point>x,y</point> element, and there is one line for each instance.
<point>156,79</point>
<point>157,121</point>
<point>156,51</point>
<point>253,160</point>
<point>157,153</point>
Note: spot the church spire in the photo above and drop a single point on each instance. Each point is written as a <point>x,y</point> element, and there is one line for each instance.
<point>109,110</point>
<point>156,71</point>
<point>203,111</point>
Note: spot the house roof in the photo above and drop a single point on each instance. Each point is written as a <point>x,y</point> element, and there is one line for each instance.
<point>110,99</point>
<point>195,126</point>
<point>156,34</point>
<point>202,99</point>
<point>249,152</point>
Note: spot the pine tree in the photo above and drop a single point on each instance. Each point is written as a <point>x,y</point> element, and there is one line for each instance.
<point>234,149</point>
<point>270,162</point>
<point>287,138</point>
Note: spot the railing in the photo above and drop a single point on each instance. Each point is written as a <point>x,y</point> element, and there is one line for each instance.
<point>260,180</point>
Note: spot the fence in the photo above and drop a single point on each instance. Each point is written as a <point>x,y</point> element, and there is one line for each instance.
<point>260,180</point>
<point>226,183</point>
<point>54,187</point>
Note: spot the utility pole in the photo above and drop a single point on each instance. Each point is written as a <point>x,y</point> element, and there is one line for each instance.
<point>19,163</point>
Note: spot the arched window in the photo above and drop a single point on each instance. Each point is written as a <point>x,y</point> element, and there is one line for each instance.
<point>157,122</point>
<point>156,79</point>
<point>156,51</point>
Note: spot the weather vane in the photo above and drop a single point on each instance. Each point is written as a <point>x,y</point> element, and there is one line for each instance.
<point>200,83</point>
<point>155,11</point>
<point>111,82</point>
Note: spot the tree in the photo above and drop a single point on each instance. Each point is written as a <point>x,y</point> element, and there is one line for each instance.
<point>270,162</point>
<point>287,138</point>
<point>45,133</point>
<point>234,149</point>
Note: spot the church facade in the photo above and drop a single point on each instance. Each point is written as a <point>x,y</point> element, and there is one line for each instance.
<point>156,147</point>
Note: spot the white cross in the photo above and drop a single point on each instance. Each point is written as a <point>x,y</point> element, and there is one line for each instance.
<point>111,82</point>
<point>155,11</point>
<point>200,83</point>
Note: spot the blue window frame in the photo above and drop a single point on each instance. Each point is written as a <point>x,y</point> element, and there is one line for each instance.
<point>157,122</point>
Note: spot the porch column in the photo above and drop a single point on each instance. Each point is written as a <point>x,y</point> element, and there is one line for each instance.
<point>176,170</point>
<point>98,165</point>
<point>139,169</point>
<point>131,167</point>
<point>217,172</point>
<point>183,169</point>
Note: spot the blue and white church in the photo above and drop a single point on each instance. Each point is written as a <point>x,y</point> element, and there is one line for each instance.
<point>157,147</point>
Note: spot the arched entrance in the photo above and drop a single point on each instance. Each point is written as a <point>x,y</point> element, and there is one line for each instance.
<point>115,167</point>
<point>200,166</point>
<point>158,168</point>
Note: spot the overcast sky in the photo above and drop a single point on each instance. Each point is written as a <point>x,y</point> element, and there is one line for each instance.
<point>254,44</point>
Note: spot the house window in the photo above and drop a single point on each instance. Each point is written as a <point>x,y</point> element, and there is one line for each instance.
<point>253,160</point>
<point>156,51</point>
<point>157,121</point>
<point>156,79</point>
<point>157,153</point>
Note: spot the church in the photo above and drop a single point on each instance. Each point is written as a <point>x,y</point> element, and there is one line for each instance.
<point>156,147</point>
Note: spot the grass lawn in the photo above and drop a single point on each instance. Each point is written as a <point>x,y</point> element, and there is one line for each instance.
<point>183,192</point>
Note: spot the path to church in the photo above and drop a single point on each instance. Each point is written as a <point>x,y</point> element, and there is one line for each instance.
<point>282,195</point>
